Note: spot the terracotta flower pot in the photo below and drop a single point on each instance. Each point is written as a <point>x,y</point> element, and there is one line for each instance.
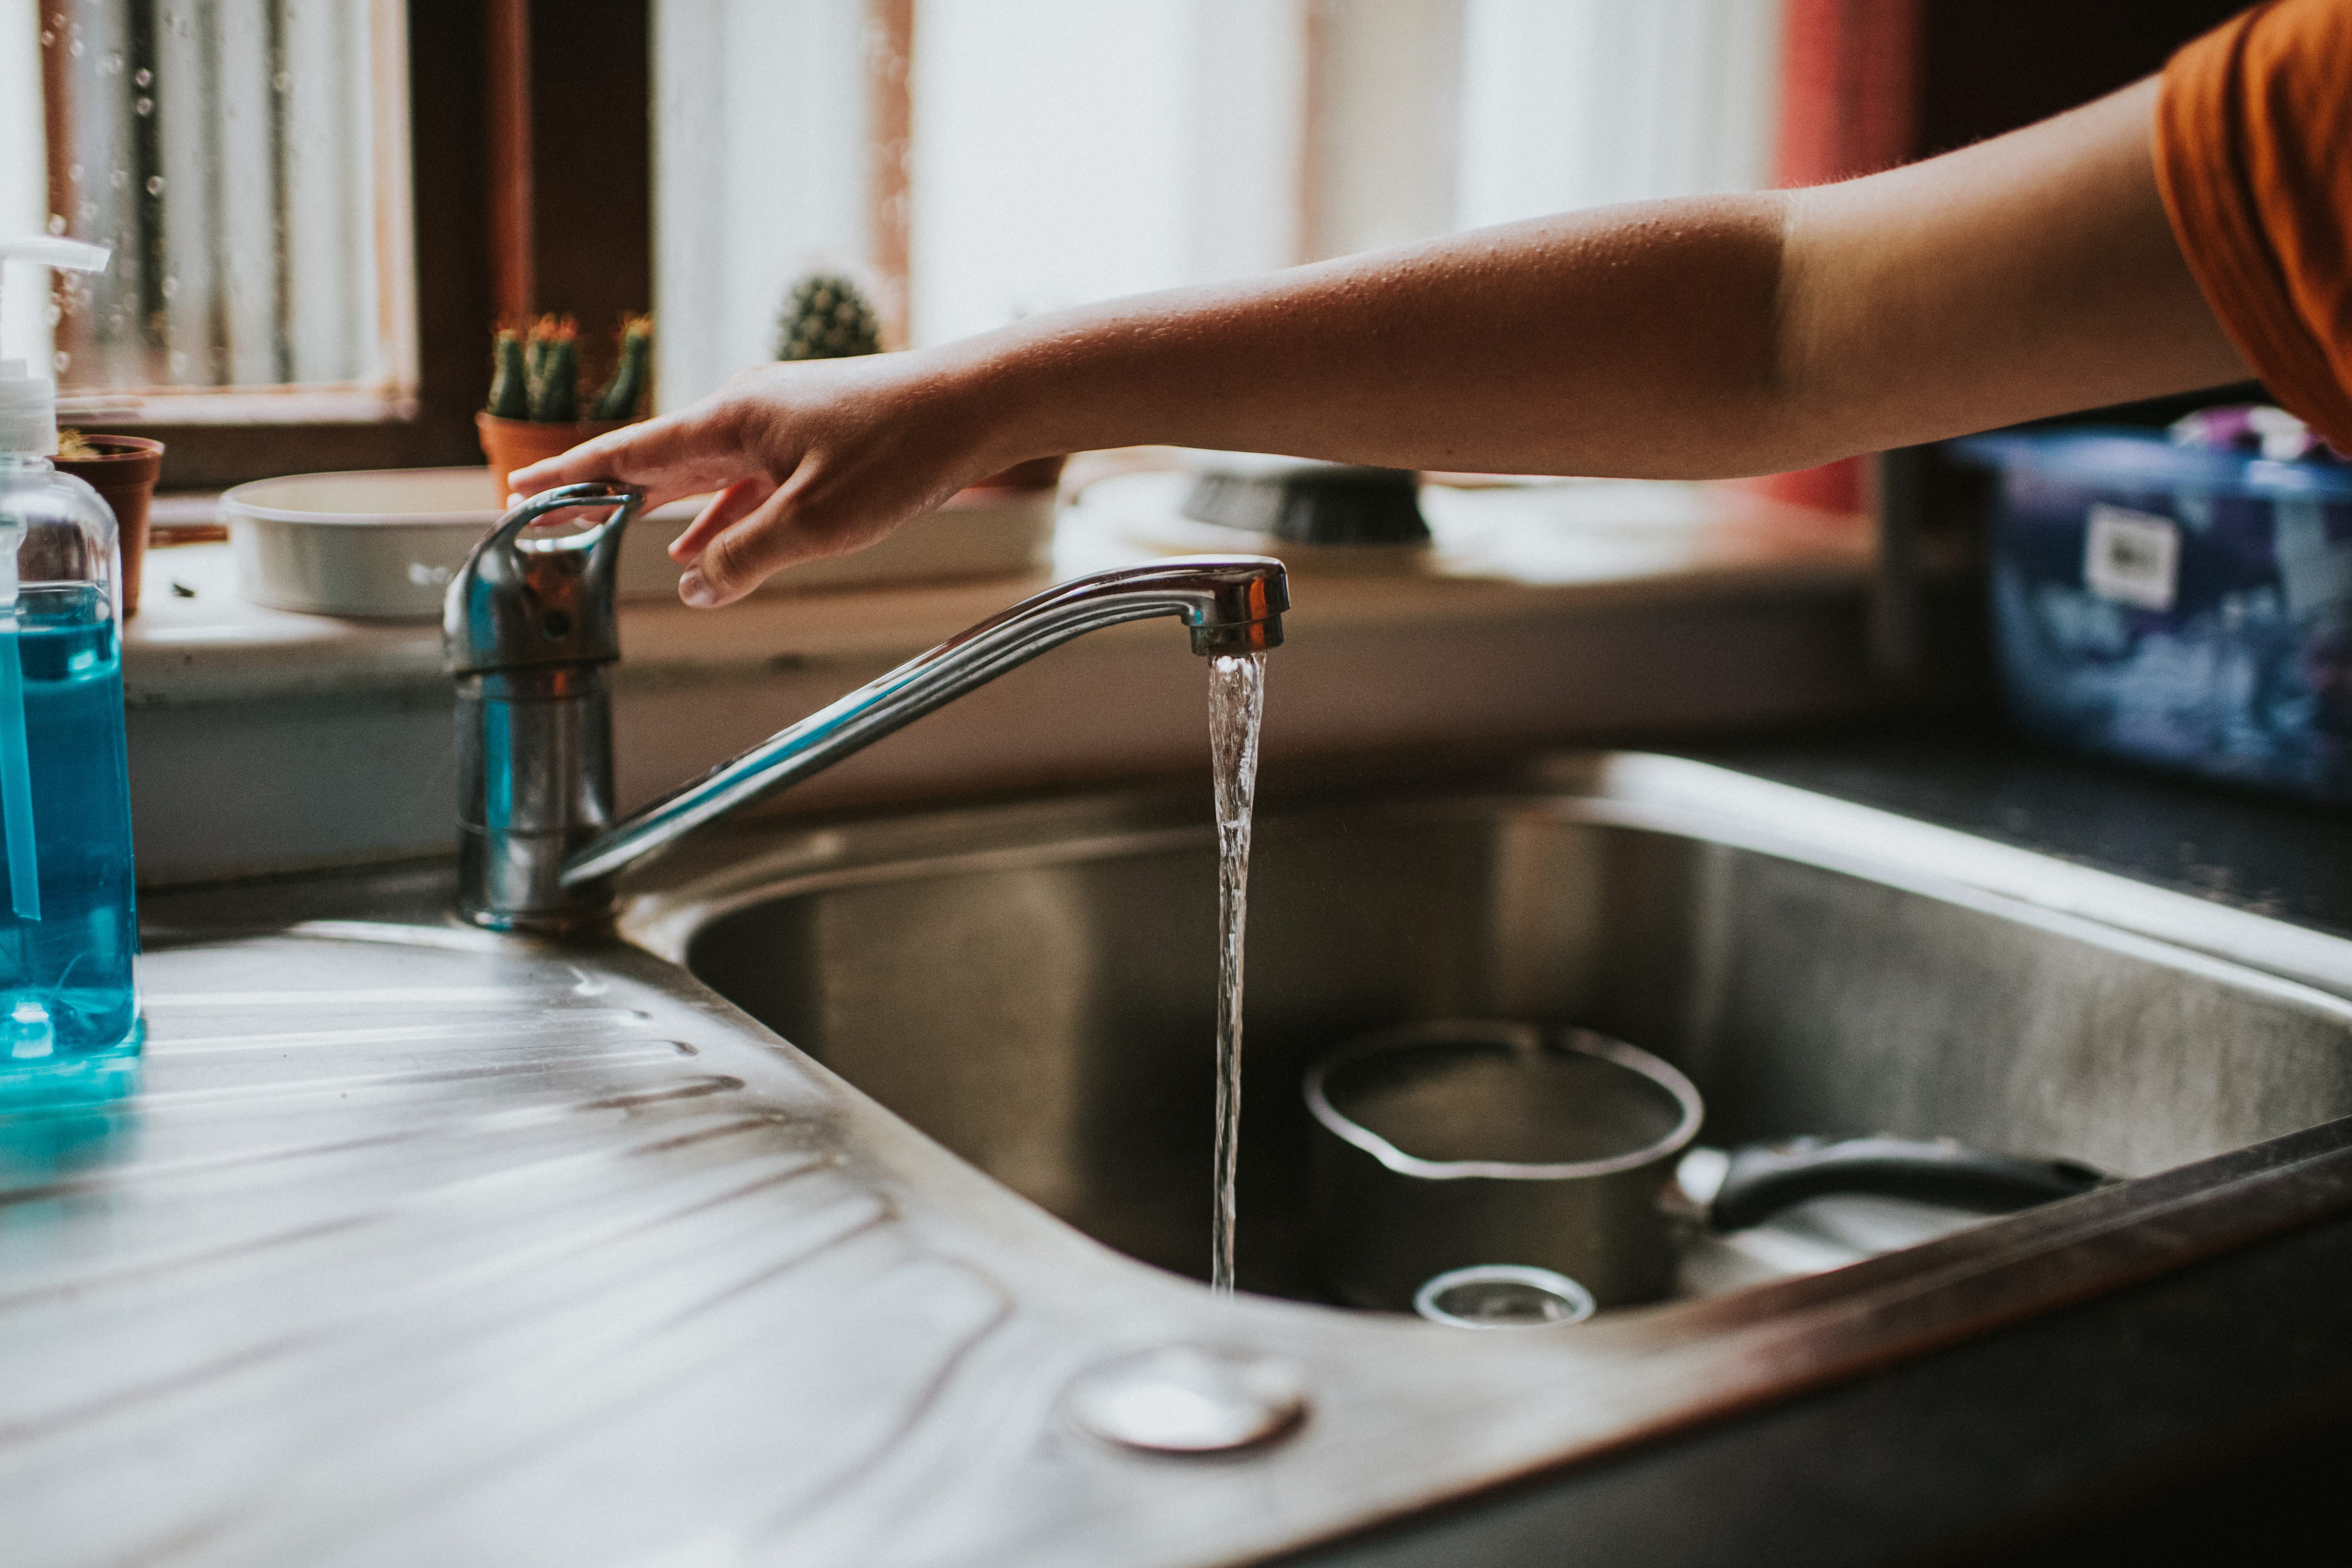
<point>512,444</point>
<point>123,474</point>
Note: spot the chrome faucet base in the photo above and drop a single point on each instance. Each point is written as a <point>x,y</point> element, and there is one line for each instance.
<point>530,624</point>
<point>548,742</point>
<point>517,903</point>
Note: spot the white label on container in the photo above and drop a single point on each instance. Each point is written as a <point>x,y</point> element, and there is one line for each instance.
<point>2132,557</point>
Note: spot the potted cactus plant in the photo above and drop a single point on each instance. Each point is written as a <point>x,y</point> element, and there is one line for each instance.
<point>827,315</point>
<point>537,408</point>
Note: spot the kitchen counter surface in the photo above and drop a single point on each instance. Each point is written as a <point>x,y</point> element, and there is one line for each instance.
<point>2265,854</point>
<point>653,1160</point>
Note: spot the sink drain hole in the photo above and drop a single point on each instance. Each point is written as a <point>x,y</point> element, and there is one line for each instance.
<point>1502,1296</point>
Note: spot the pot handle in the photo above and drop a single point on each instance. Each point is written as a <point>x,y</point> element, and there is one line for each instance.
<point>1762,1179</point>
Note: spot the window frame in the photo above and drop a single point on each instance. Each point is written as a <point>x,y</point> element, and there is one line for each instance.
<point>458,252</point>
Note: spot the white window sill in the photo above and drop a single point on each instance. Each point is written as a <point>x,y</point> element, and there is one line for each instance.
<point>196,640</point>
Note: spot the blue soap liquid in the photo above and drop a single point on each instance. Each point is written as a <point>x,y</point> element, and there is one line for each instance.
<point>68,1012</point>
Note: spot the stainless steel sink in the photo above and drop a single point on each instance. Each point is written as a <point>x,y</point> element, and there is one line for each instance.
<point>1033,985</point>
<point>423,1244</point>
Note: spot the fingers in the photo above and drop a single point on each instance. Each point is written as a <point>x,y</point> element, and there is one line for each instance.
<point>776,533</point>
<point>677,455</point>
<point>605,457</point>
<point>737,557</point>
<point>731,505</point>
<point>807,460</point>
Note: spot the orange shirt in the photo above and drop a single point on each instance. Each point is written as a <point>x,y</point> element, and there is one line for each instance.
<point>2253,151</point>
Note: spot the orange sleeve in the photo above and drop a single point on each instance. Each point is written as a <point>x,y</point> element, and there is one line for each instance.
<point>2253,152</point>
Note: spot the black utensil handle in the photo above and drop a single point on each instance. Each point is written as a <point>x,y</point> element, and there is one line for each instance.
<point>1765,1178</point>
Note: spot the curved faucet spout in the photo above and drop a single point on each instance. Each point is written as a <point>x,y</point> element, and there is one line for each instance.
<point>1234,605</point>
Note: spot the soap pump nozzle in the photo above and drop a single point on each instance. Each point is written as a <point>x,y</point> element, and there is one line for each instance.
<point>28,402</point>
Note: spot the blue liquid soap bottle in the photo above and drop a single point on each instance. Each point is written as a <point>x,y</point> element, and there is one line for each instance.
<point>69,1028</point>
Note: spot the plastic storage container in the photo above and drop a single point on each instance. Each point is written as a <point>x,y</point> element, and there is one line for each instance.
<point>2175,606</point>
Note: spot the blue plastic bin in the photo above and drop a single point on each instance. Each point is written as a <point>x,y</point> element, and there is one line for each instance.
<point>2184,607</point>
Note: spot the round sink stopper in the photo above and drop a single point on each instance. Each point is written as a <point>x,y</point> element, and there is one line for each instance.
<point>1189,1399</point>
<point>1502,1296</point>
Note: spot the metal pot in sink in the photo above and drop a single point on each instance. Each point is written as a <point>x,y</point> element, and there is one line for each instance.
<point>1489,1171</point>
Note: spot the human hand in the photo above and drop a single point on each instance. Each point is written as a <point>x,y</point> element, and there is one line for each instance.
<point>812,459</point>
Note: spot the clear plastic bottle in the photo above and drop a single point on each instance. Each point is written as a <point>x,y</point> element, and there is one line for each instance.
<point>69,1024</point>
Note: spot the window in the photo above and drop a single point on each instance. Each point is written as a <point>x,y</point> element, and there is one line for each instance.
<point>247,162</point>
<point>1063,150</point>
<point>308,282</point>
<point>1577,103</point>
<point>312,239</point>
<point>761,128</point>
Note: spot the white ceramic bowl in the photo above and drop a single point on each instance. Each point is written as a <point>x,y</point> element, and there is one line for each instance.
<point>381,545</point>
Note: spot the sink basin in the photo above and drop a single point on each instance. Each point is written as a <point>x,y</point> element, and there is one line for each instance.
<point>1033,986</point>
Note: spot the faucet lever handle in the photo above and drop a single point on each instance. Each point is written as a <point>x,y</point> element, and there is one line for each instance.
<point>521,603</point>
<point>566,498</point>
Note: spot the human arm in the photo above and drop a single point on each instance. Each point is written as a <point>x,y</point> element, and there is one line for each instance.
<point>1700,338</point>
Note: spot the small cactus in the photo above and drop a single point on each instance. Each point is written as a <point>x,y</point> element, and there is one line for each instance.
<point>510,380</point>
<point>535,371</point>
<point>555,385</point>
<point>618,400</point>
<point>534,363</point>
<point>827,318</point>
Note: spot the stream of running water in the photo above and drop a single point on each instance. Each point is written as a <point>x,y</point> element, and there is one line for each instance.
<point>1236,704</point>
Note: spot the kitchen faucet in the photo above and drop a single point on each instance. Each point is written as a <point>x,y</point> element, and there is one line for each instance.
<point>528,626</point>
